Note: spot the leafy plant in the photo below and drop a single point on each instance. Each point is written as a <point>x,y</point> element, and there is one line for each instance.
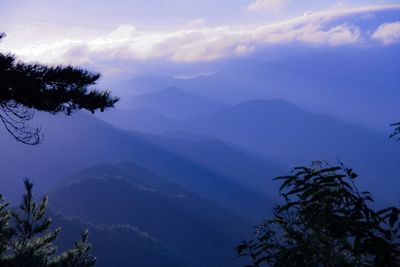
<point>53,89</point>
<point>325,221</point>
<point>396,131</point>
<point>27,241</point>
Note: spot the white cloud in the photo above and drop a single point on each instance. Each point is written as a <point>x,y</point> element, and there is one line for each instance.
<point>339,35</point>
<point>263,6</point>
<point>196,43</point>
<point>307,13</point>
<point>388,33</point>
<point>244,49</point>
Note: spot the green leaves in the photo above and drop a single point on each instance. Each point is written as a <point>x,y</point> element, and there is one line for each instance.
<point>325,221</point>
<point>396,131</point>
<point>394,217</point>
<point>79,256</point>
<point>28,87</point>
<point>26,239</point>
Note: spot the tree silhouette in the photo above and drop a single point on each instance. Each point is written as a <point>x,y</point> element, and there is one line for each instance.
<point>325,221</point>
<point>396,131</point>
<point>25,236</point>
<point>26,241</point>
<point>28,87</point>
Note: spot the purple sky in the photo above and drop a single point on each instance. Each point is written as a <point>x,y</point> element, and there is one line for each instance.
<point>107,36</point>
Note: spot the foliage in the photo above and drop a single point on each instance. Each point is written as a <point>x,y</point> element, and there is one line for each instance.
<point>26,238</point>
<point>28,87</point>
<point>325,221</point>
<point>396,131</point>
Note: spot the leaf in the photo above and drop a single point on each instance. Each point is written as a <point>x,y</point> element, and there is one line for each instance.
<point>394,217</point>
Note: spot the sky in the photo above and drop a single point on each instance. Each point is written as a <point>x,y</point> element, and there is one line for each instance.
<point>129,36</point>
<point>162,13</point>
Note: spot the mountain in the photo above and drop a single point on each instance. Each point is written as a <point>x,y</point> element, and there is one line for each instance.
<point>143,120</point>
<point>75,142</point>
<point>185,135</point>
<point>141,85</point>
<point>248,168</point>
<point>356,84</point>
<point>115,245</point>
<point>280,127</point>
<point>175,103</point>
<point>199,232</point>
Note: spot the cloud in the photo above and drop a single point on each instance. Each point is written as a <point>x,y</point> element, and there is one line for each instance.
<point>264,6</point>
<point>196,42</point>
<point>388,33</point>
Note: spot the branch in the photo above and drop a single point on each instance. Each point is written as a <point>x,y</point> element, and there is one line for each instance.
<point>396,131</point>
<point>15,117</point>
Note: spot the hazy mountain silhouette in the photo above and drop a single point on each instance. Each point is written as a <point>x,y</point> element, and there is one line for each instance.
<point>142,85</point>
<point>280,127</point>
<point>76,142</point>
<point>186,135</point>
<point>354,84</point>
<point>176,103</point>
<point>245,167</point>
<point>143,120</point>
<point>111,241</point>
<point>200,232</point>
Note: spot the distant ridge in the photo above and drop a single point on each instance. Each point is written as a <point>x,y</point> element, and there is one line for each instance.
<point>188,228</point>
<point>76,142</point>
<point>175,103</point>
<point>143,120</point>
<point>276,126</point>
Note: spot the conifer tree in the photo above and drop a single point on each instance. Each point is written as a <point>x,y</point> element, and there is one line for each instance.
<point>53,89</point>
<point>5,230</point>
<point>79,256</point>
<point>25,236</point>
<point>27,241</point>
<point>396,131</point>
